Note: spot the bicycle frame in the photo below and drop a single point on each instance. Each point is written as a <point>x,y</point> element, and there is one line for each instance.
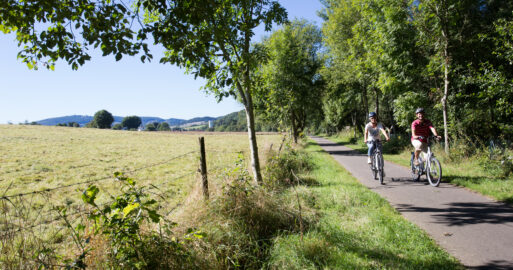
<point>426,166</point>
<point>377,167</point>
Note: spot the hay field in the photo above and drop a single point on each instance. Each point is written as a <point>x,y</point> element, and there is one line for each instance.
<point>37,158</point>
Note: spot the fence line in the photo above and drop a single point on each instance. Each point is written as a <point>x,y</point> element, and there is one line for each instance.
<point>90,181</point>
<point>84,210</point>
<point>30,217</point>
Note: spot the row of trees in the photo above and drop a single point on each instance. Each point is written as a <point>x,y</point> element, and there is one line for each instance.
<point>452,57</point>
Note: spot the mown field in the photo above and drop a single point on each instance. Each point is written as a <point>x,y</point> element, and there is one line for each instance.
<point>35,158</point>
<point>42,168</point>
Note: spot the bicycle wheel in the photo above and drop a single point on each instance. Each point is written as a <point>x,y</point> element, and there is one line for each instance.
<point>379,166</point>
<point>415,172</point>
<point>434,172</point>
<point>372,168</point>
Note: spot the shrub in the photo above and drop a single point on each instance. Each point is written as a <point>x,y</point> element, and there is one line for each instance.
<point>151,126</point>
<point>280,167</point>
<point>164,126</point>
<point>126,244</point>
<point>117,126</point>
<point>498,163</point>
<point>241,221</point>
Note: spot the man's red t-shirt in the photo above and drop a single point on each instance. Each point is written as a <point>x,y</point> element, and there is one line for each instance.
<point>421,129</point>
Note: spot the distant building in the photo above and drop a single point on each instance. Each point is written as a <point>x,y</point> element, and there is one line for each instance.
<point>210,124</point>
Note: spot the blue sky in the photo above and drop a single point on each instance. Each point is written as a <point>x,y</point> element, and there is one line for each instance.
<point>127,87</point>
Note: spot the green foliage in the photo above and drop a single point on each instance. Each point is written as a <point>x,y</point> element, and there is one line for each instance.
<point>405,106</point>
<point>117,126</point>
<point>151,126</point>
<point>45,39</point>
<point>289,82</point>
<point>497,162</point>
<point>91,124</point>
<point>103,119</point>
<point>281,167</point>
<point>242,221</point>
<point>131,122</point>
<point>231,122</point>
<point>164,126</point>
<point>121,220</point>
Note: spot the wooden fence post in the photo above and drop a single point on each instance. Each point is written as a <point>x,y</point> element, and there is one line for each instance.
<point>203,167</point>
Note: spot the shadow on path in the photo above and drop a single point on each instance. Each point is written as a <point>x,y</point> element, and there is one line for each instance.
<point>459,214</point>
<point>497,265</point>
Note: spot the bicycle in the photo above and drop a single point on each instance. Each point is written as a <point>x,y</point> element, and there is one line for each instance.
<point>431,166</point>
<point>377,162</point>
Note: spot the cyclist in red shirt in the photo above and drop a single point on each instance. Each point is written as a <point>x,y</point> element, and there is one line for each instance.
<point>421,128</point>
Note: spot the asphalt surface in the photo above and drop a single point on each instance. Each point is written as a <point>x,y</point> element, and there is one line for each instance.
<point>475,229</point>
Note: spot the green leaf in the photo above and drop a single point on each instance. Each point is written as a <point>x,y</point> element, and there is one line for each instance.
<point>154,216</point>
<point>128,209</point>
<point>89,195</point>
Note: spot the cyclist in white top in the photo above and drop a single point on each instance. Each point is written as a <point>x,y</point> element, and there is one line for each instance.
<point>371,133</point>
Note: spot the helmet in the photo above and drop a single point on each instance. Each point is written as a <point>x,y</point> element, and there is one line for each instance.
<point>372,114</point>
<point>419,110</point>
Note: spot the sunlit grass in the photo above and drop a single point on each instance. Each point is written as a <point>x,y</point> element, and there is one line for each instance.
<point>356,229</point>
<point>37,158</point>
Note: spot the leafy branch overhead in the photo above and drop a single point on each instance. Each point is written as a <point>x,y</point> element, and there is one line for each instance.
<point>52,30</point>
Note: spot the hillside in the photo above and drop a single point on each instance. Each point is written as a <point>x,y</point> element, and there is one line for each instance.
<point>84,119</point>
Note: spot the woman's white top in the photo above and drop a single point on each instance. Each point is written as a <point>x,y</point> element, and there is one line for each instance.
<point>373,132</point>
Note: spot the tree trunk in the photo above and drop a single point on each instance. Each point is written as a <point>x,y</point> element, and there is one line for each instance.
<point>444,98</point>
<point>255,162</point>
<point>365,106</point>
<point>294,127</point>
<point>376,91</point>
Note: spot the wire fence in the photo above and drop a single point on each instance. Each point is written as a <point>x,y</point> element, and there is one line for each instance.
<point>33,219</point>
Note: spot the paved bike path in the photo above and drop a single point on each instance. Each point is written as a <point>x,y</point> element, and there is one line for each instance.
<point>476,230</point>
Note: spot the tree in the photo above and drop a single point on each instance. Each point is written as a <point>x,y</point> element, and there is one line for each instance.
<point>164,126</point>
<point>151,126</point>
<point>210,38</point>
<point>372,57</point>
<point>103,119</point>
<point>131,122</point>
<point>291,84</point>
<point>117,126</point>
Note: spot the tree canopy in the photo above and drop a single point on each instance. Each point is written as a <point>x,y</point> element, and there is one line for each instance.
<point>290,83</point>
<point>103,119</point>
<point>131,122</point>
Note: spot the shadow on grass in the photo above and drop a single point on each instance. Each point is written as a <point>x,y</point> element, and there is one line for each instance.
<point>470,179</point>
<point>358,246</point>
<point>308,181</point>
<point>460,180</point>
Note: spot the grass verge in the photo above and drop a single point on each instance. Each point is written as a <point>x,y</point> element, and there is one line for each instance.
<point>356,228</point>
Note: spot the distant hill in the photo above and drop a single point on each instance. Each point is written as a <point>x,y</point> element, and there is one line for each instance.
<point>82,120</point>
